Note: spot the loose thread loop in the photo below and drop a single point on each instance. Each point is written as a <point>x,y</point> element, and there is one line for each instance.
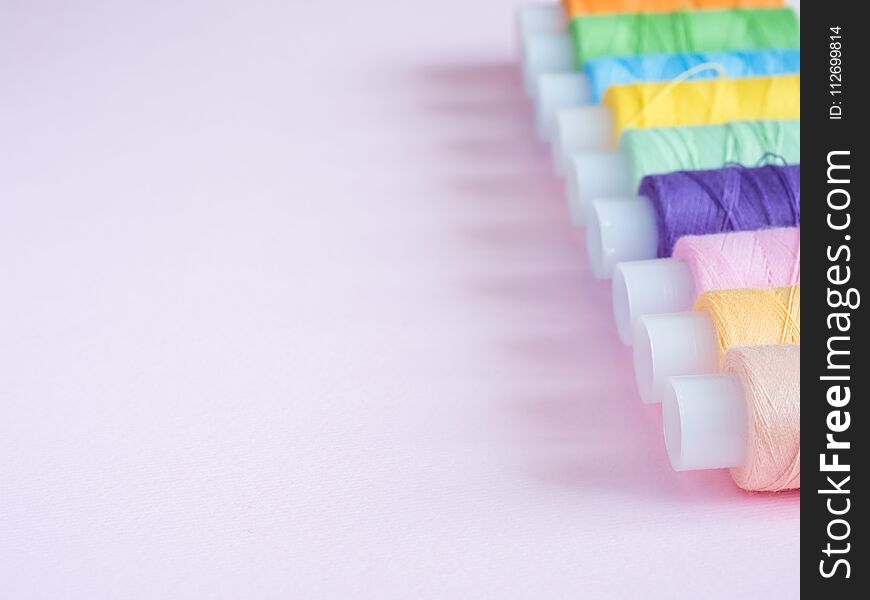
<point>685,75</point>
<point>702,101</point>
<point>603,73</point>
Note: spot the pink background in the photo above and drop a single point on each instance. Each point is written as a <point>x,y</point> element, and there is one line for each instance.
<point>290,308</point>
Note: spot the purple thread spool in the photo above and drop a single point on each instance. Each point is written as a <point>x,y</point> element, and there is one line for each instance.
<point>722,200</point>
<point>682,203</point>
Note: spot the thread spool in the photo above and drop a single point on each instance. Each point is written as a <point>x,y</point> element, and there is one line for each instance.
<point>539,18</point>
<point>621,229</point>
<point>744,259</point>
<point>545,52</point>
<point>553,18</point>
<point>606,72</point>
<point>653,151</point>
<point>558,91</point>
<point>693,343</point>
<point>674,205</point>
<point>648,287</point>
<point>670,104</point>
<point>581,7</point>
<point>631,32</point>
<point>747,419</point>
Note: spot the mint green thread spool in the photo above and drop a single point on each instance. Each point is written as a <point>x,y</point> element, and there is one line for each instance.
<point>629,34</point>
<point>659,150</point>
<point>748,143</point>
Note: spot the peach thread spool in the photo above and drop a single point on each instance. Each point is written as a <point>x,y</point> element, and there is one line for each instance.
<point>746,419</point>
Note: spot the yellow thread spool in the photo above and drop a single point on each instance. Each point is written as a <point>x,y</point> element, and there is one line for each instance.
<point>748,317</point>
<point>703,102</point>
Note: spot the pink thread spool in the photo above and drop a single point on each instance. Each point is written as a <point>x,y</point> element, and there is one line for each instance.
<point>746,419</point>
<point>700,263</point>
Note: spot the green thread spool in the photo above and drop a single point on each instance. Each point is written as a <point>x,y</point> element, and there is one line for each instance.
<point>749,143</point>
<point>658,150</point>
<point>629,34</point>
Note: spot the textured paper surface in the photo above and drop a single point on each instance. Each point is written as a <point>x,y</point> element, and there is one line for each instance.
<point>290,308</point>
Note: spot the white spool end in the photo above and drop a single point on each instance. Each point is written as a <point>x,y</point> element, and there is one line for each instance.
<point>649,287</point>
<point>672,345</point>
<point>706,424</point>
<point>596,175</point>
<point>546,53</point>
<point>581,129</point>
<point>557,91</point>
<point>539,18</point>
<point>618,230</point>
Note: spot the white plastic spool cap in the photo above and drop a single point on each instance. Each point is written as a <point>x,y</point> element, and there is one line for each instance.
<point>620,229</point>
<point>672,345</point>
<point>555,92</point>
<point>539,18</point>
<point>596,175</point>
<point>546,53</point>
<point>649,287</point>
<point>581,129</point>
<point>706,423</point>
